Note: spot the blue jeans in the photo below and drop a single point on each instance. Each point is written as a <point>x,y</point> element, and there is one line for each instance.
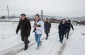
<point>37,38</point>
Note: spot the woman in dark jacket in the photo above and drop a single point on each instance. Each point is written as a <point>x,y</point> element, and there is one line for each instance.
<point>25,27</point>
<point>62,30</point>
<point>47,26</point>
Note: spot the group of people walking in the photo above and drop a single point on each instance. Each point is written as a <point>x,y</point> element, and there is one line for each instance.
<point>39,25</point>
<point>64,29</point>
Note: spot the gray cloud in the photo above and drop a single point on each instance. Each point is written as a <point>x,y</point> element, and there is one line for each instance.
<point>56,7</point>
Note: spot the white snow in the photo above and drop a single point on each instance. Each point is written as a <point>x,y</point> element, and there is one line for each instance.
<point>76,43</point>
<point>74,46</point>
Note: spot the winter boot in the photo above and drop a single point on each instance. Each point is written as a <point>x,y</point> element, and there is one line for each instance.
<point>37,47</point>
<point>28,42</point>
<point>46,38</point>
<point>25,48</point>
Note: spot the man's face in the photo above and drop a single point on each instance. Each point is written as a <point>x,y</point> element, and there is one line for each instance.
<point>46,20</point>
<point>64,21</point>
<point>68,22</point>
<point>23,17</point>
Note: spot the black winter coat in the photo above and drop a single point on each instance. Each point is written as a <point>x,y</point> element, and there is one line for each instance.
<point>25,27</point>
<point>47,27</point>
<point>69,26</point>
<point>62,28</point>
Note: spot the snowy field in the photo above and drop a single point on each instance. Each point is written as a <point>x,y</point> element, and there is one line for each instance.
<point>11,42</point>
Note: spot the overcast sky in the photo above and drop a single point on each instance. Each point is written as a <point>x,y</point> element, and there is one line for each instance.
<point>50,7</point>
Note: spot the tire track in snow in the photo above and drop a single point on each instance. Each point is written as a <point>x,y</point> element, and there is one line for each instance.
<point>16,49</point>
<point>65,42</point>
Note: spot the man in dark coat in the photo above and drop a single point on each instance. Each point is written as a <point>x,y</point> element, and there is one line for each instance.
<point>62,29</point>
<point>69,26</point>
<point>25,27</point>
<point>47,26</point>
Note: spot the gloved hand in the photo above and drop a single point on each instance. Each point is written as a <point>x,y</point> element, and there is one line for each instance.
<point>16,32</point>
<point>38,25</point>
<point>72,29</point>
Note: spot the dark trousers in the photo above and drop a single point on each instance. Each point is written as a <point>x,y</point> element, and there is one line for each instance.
<point>25,40</point>
<point>61,36</point>
<point>46,35</point>
<point>67,33</point>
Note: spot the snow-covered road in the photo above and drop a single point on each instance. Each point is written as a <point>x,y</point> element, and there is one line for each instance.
<point>76,44</point>
<point>11,44</point>
<point>51,46</point>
